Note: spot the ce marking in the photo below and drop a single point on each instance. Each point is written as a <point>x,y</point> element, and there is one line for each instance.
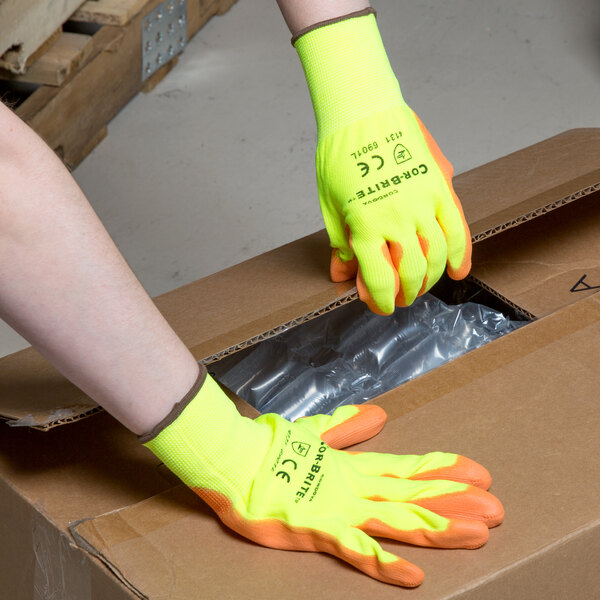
<point>364,167</point>
<point>284,474</point>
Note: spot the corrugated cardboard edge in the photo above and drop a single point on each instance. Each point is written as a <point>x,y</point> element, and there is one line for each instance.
<point>85,545</point>
<point>352,295</point>
<point>58,417</point>
<point>346,298</point>
<point>505,189</point>
<point>530,316</point>
<point>53,420</point>
<point>528,216</point>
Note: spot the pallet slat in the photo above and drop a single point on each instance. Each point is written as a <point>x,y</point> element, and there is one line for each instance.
<point>26,25</point>
<point>108,12</point>
<point>68,52</point>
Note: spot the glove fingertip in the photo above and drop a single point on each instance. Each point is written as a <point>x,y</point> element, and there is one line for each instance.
<point>464,470</point>
<point>399,572</point>
<point>472,503</point>
<point>459,246</point>
<point>367,421</point>
<point>462,269</point>
<point>370,558</point>
<point>339,270</point>
<point>365,295</point>
<point>404,573</point>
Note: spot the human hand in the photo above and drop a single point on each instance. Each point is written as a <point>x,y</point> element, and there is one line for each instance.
<point>385,189</point>
<point>393,218</point>
<point>284,485</point>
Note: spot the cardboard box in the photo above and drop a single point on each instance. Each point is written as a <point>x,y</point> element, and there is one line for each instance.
<point>89,513</point>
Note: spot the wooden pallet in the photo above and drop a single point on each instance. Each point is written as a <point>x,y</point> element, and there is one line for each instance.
<point>64,54</point>
<point>27,27</point>
<point>89,78</point>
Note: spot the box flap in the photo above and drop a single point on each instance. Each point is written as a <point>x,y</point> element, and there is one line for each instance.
<point>546,263</point>
<point>93,467</point>
<point>524,407</point>
<point>285,285</point>
<point>34,393</point>
<point>243,304</point>
<point>533,181</point>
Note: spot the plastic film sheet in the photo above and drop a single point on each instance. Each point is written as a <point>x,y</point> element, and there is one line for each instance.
<point>351,355</point>
<point>61,570</point>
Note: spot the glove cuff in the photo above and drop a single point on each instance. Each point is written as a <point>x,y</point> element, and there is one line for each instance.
<point>347,70</point>
<point>177,409</point>
<point>352,15</point>
<point>207,443</point>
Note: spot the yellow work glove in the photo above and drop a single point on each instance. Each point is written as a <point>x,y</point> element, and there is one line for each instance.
<point>385,189</point>
<point>283,484</point>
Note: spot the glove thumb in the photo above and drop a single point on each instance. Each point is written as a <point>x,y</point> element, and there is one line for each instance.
<point>348,425</point>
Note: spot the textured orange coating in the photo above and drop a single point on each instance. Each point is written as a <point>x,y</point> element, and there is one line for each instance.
<point>472,503</point>
<point>377,499</point>
<point>342,271</point>
<point>464,470</point>
<point>423,287</point>
<point>365,295</point>
<point>424,243</point>
<point>396,253</point>
<point>274,533</point>
<point>366,423</point>
<point>444,164</point>
<point>458,534</point>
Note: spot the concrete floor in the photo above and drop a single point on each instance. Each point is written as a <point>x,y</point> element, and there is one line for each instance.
<point>216,164</point>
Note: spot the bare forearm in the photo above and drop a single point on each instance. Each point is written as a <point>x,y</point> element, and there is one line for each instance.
<point>299,14</point>
<point>66,288</point>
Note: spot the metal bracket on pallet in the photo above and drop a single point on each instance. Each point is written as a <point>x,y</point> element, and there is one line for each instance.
<point>164,35</point>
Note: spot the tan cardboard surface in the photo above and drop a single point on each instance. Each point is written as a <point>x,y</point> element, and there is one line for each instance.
<point>41,561</point>
<point>33,391</point>
<point>546,263</point>
<point>525,406</point>
<point>91,467</point>
<point>47,480</point>
<point>507,191</point>
<point>247,299</point>
<point>290,283</point>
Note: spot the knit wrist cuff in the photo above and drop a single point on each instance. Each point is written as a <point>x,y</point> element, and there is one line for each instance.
<point>177,409</point>
<point>352,15</point>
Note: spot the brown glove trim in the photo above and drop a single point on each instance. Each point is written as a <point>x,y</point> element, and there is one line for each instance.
<point>177,408</point>
<point>352,15</point>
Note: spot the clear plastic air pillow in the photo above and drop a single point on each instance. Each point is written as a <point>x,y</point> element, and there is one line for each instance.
<point>350,355</point>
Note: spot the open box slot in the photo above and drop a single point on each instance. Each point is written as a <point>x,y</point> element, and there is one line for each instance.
<point>350,355</point>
